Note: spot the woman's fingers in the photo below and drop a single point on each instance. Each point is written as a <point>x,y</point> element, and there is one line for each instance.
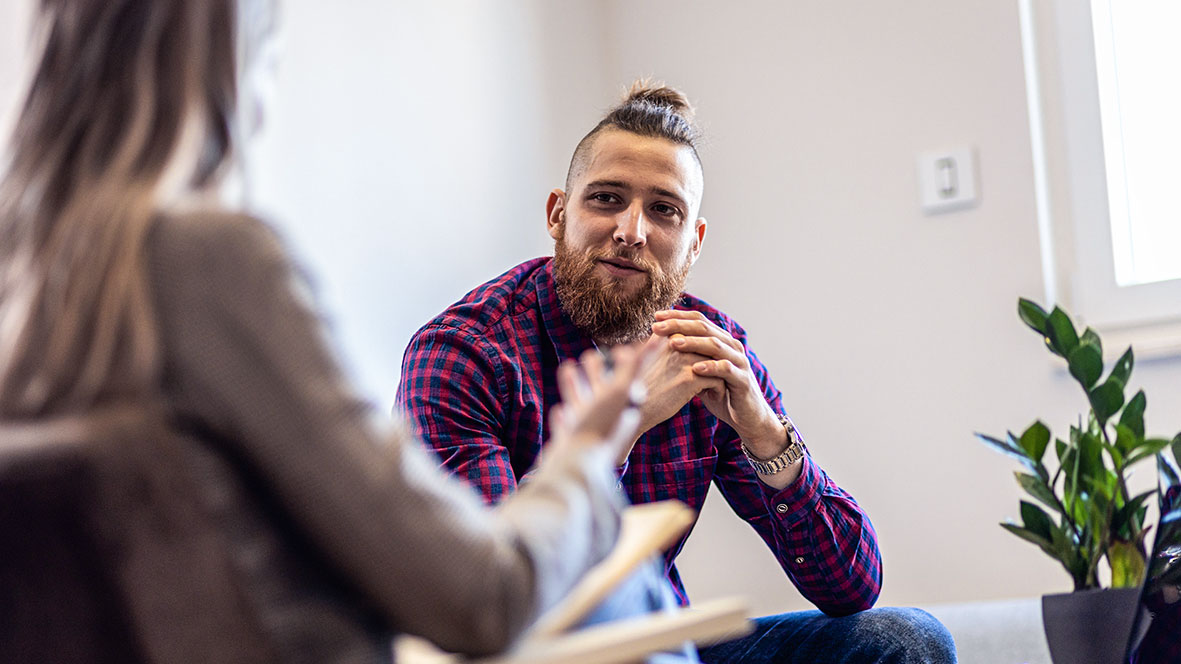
<point>557,420</point>
<point>599,391</point>
<point>573,386</point>
<point>629,363</point>
<point>623,436</point>
<point>595,369</point>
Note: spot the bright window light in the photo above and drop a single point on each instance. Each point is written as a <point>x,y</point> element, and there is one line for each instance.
<point>1137,54</point>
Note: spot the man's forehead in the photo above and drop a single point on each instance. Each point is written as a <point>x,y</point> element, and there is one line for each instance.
<point>643,162</point>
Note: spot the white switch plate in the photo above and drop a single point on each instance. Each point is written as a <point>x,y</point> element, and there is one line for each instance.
<point>947,179</point>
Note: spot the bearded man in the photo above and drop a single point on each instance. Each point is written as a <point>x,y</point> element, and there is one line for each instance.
<point>480,379</point>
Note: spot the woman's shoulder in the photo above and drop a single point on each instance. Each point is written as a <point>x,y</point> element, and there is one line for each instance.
<point>198,227</point>
<point>213,240</point>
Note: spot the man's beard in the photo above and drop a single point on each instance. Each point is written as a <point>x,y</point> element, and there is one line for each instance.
<point>599,308</point>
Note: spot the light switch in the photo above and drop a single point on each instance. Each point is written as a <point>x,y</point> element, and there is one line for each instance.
<point>947,179</point>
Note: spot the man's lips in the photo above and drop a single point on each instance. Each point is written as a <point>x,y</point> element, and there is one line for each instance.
<point>621,264</point>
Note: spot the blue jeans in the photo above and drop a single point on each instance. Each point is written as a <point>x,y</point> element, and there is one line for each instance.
<point>877,636</point>
<point>645,591</point>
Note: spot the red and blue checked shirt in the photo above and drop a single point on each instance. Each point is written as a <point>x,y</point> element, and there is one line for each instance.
<point>479,379</point>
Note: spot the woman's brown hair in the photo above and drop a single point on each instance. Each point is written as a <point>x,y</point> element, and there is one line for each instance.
<point>120,86</point>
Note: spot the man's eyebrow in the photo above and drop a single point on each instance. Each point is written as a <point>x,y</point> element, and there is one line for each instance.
<point>667,193</point>
<point>618,184</point>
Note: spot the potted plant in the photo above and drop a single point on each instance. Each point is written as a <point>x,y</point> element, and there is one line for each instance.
<point>1083,513</point>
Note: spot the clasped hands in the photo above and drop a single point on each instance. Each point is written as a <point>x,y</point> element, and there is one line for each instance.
<point>691,356</point>
<point>686,356</point>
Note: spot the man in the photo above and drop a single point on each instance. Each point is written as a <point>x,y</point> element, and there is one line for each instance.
<point>479,380</point>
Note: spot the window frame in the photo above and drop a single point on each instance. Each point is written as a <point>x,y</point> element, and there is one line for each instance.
<point>1071,179</point>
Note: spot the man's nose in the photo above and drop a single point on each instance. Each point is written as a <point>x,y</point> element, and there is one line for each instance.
<point>631,227</point>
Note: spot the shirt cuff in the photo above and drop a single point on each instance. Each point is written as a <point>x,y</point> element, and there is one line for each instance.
<point>799,499</point>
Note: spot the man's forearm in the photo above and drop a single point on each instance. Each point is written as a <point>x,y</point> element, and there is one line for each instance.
<point>828,545</point>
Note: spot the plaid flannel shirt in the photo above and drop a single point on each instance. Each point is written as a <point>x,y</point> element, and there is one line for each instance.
<point>478,381</point>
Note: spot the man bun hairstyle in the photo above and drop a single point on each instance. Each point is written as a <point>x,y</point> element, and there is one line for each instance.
<point>648,109</point>
<point>654,110</point>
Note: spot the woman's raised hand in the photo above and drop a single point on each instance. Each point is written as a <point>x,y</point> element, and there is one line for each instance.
<point>601,395</point>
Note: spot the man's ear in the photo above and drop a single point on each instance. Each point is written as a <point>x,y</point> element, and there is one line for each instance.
<point>698,239</point>
<point>555,212</point>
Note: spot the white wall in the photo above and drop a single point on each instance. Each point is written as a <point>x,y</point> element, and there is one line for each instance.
<point>415,142</point>
<point>15,18</point>
<point>412,153</point>
<point>893,334</point>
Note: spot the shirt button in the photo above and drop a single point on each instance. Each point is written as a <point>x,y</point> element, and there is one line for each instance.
<point>781,508</point>
<point>799,560</point>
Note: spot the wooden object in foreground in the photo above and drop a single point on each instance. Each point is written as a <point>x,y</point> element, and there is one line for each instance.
<point>645,530</point>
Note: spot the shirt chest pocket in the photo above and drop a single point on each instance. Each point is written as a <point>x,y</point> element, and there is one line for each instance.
<point>686,480</point>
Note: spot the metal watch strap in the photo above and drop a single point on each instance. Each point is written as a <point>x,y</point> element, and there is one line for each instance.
<point>793,453</point>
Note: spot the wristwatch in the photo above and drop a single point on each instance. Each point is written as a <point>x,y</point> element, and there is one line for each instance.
<point>793,453</point>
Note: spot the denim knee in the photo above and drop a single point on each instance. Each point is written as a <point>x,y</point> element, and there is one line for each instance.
<point>902,636</point>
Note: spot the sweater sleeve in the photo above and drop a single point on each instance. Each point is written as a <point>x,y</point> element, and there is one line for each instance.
<point>245,354</point>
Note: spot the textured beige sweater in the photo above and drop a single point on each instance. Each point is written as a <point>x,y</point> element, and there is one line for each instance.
<point>343,530</point>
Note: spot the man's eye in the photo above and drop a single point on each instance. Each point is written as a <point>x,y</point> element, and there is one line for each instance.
<point>664,209</point>
<point>603,197</point>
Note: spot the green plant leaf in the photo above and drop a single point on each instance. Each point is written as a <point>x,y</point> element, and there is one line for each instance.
<point>1059,448</point>
<point>1034,440</point>
<point>1106,399</point>
<point>1124,521</point>
<point>1033,315</point>
<point>1028,536</point>
<point>1126,439</point>
<point>1122,369</point>
<point>1012,448</point>
<point>1090,456</point>
<point>1086,365</point>
<point>1061,332</point>
<point>1037,487</point>
<point>1117,455</point>
<point>1062,541</point>
<point>1075,559</point>
<point>1090,338</point>
<point>1036,520</point>
<point>1150,447</point>
<point>1127,564</point>
<point>1096,511</point>
<point>1070,464</point>
<point>1006,448</point>
<point>1101,488</point>
<point>1079,514</point>
<point>1035,465</point>
<point>1177,448</point>
<point>1133,415</point>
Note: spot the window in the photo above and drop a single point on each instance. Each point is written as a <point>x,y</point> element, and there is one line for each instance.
<point>1105,111</point>
<point>1136,58</point>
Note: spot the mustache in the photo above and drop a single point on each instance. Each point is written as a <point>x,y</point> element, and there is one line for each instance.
<point>632,255</point>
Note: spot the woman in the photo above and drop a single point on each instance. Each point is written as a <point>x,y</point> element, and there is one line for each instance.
<point>122,282</point>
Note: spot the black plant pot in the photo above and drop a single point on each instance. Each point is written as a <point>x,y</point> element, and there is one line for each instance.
<point>1090,626</point>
